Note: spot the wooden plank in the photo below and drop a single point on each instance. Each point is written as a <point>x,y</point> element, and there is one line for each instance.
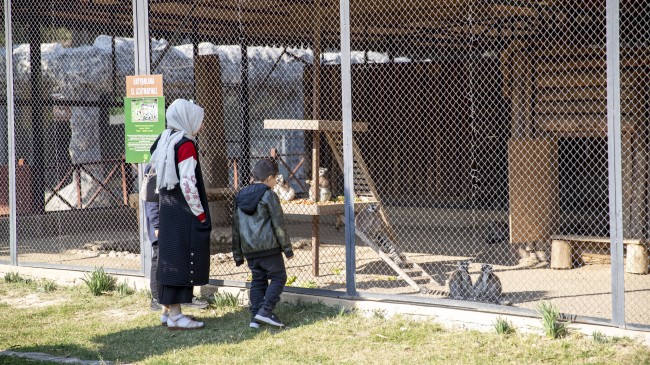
<point>575,238</point>
<point>404,276</point>
<point>213,155</point>
<point>572,79</point>
<point>597,106</point>
<point>574,93</point>
<point>582,123</point>
<point>293,208</point>
<point>312,125</point>
<point>533,180</point>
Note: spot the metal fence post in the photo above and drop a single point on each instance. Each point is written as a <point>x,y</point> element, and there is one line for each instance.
<point>614,158</point>
<point>142,67</point>
<point>11,140</point>
<point>348,160</point>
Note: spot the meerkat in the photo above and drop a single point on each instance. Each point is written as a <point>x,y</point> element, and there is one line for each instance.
<point>283,189</point>
<point>488,286</point>
<point>369,222</point>
<point>324,187</point>
<point>460,283</point>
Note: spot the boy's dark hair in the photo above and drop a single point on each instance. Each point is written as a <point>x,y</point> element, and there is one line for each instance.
<point>264,168</point>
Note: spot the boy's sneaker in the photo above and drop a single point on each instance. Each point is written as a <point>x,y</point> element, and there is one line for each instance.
<point>269,318</point>
<point>254,323</point>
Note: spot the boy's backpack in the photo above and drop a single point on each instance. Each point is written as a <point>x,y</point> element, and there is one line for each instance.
<point>148,187</point>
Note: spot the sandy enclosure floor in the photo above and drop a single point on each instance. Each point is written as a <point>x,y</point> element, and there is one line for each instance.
<point>584,291</point>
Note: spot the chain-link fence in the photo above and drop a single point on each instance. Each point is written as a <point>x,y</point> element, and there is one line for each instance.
<point>480,140</point>
<point>487,143</point>
<point>4,170</point>
<point>635,64</point>
<point>260,73</point>
<point>72,184</point>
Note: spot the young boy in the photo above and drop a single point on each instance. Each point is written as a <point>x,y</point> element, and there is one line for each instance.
<point>259,235</point>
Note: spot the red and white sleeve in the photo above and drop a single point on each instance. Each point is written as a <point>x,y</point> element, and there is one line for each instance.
<point>186,167</point>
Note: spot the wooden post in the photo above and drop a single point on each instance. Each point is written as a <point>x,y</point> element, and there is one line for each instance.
<point>213,136</point>
<point>636,261</point>
<point>561,255</point>
<point>78,180</point>
<point>125,195</point>
<point>315,155</point>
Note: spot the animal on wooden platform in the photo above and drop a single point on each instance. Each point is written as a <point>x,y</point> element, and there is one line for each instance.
<point>460,283</point>
<point>488,286</point>
<point>324,187</point>
<point>283,189</point>
<point>370,223</point>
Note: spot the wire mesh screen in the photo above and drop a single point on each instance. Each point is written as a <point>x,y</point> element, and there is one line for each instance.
<point>262,71</point>
<point>72,183</point>
<point>4,170</point>
<point>634,38</point>
<point>487,148</point>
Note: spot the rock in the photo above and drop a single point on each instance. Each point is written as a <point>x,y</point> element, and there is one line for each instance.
<point>301,244</point>
<point>112,254</point>
<point>103,255</point>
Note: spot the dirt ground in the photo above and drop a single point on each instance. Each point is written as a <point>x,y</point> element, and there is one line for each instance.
<point>584,291</point>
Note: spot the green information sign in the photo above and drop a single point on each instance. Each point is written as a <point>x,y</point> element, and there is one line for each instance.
<point>144,120</point>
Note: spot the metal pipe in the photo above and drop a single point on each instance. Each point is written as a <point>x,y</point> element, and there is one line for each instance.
<point>142,59</point>
<point>11,140</point>
<point>614,161</point>
<point>348,158</point>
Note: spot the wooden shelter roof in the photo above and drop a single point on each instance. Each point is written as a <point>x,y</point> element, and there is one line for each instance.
<point>289,22</point>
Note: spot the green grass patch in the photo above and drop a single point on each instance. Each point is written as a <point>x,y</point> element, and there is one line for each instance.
<point>124,289</point>
<point>503,326</point>
<point>122,329</point>
<point>224,300</point>
<point>550,314</point>
<point>99,282</point>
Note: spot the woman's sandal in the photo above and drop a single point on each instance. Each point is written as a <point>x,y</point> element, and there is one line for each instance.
<point>165,317</point>
<point>182,322</point>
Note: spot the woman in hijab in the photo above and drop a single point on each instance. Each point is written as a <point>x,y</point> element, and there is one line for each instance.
<point>184,219</point>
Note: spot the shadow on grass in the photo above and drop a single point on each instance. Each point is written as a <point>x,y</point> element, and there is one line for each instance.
<point>140,343</point>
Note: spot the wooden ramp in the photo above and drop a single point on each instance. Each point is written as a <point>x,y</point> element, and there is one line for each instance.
<point>364,187</point>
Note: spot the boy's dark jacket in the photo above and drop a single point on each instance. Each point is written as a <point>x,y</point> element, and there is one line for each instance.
<point>258,228</point>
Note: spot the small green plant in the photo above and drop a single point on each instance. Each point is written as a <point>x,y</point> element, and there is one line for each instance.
<point>124,289</point>
<point>599,337</point>
<point>13,277</point>
<point>99,281</point>
<point>309,284</point>
<point>225,300</point>
<point>342,311</point>
<point>47,285</point>
<point>291,280</point>
<point>337,271</point>
<point>379,313</point>
<point>553,328</point>
<point>503,326</point>
<point>391,278</point>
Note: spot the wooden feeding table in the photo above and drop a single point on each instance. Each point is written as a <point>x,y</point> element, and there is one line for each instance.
<point>314,209</point>
<point>566,250</point>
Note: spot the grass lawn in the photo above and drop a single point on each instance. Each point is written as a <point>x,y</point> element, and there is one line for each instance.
<point>69,322</point>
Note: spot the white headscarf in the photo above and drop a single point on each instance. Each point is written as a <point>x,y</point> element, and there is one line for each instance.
<point>184,119</point>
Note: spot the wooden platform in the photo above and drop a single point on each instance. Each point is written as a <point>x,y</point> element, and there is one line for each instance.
<point>568,252</point>
<point>312,125</point>
<point>292,208</point>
